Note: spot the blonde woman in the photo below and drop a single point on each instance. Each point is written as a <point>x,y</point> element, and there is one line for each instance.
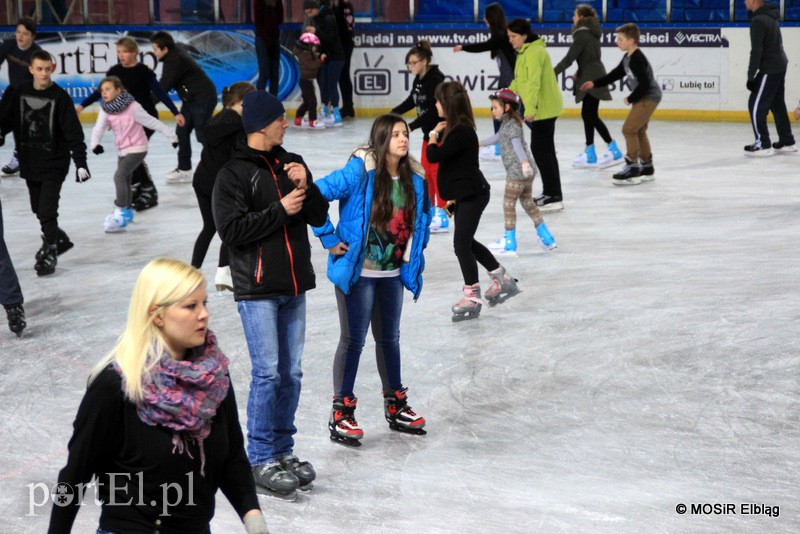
<point>159,412</point>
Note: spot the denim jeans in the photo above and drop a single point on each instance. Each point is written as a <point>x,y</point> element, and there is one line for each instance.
<point>275,330</point>
<point>196,113</point>
<point>378,301</point>
<point>268,55</point>
<point>328,79</point>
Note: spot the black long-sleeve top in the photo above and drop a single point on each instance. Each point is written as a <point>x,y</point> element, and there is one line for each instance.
<point>640,76</point>
<point>267,20</point>
<point>182,73</point>
<point>46,131</point>
<point>223,132</point>
<point>422,98</point>
<point>328,32</point>
<point>109,437</point>
<point>140,81</point>
<point>502,51</point>
<point>460,174</point>
<point>18,61</point>
<point>766,43</point>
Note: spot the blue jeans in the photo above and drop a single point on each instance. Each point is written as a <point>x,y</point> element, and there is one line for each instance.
<point>269,61</point>
<point>329,75</point>
<point>378,301</point>
<point>275,330</point>
<point>196,113</point>
<point>10,292</point>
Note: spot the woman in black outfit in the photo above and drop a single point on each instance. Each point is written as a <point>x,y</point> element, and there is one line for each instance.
<point>454,146</point>
<point>223,131</point>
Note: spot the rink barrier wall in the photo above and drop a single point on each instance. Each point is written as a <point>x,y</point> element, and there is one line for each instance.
<point>702,70</point>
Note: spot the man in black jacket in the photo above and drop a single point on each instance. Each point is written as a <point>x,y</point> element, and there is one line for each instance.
<point>263,199</point>
<point>196,91</point>
<point>766,77</point>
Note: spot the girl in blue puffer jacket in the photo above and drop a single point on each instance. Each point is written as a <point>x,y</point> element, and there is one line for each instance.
<point>375,251</point>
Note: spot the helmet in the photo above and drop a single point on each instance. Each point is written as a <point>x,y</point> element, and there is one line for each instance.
<point>309,38</point>
<point>506,95</point>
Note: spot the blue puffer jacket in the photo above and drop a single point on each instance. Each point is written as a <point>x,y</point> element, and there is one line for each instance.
<point>353,187</point>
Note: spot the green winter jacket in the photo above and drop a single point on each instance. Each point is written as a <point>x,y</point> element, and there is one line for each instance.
<point>535,82</point>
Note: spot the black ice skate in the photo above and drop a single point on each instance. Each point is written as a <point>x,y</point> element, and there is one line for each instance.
<point>342,424</point>
<point>273,480</point>
<point>504,286</point>
<point>304,471</point>
<point>146,195</point>
<point>399,414</point>
<point>46,259</point>
<point>629,175</point>
<point>648,171</point>
<point>16,318</point>
<point>470,306</point>
<point>63,244</point>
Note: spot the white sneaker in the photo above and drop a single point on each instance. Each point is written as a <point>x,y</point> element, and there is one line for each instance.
<point>178,176</point>
<point>115,222</point>
<point>223,279</point>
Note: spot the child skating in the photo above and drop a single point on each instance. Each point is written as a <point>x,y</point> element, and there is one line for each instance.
<point>127,119</point>
<point>520,171</point>
<point>306,50</point>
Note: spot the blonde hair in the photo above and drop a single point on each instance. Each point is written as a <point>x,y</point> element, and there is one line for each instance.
<point>162,283</point>
<point>128,44</point>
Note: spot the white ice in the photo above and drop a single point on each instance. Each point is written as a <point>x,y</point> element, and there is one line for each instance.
<point>651,359</point>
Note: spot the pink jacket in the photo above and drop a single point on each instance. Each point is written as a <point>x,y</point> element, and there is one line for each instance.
<point>128,128</point>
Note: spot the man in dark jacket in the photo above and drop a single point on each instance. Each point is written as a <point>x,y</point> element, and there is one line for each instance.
<point>766,77</point>
<point>196,91</point>
<point>263,199</point>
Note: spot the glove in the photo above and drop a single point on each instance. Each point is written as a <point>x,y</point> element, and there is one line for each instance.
<point>175,144</point>
<point>98,149</point>
<point>82,174</point>
<point>751,85</point>
<point>255,524</point>
<point>527,170</point>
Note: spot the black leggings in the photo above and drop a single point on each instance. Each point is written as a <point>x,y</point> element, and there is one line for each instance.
<point>468,251</point>
<point>592,122</point>
<point>207,234</point>
<point>543,148</point>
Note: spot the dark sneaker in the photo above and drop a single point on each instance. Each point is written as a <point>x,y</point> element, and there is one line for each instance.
<point>756,150</point>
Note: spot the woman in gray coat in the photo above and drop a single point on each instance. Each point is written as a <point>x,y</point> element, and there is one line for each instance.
<point>585,49</point>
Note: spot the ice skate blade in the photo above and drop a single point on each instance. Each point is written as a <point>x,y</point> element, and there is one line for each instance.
<point>610,163</point>
<point>287,497</point>
<point>501,298</point>
<point>582,166</point>
<point>305,489</point>
<point>347,442</point>
<point>505,252</point>
<point>440,230</point>
<point>458,317</point>
<point>628,181</point>
<point>406,430</point>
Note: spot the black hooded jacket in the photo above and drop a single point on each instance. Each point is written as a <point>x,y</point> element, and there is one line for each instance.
<point>422,98</point>
<point>222,133</point>
<point>269,250</point>
<point>766,44</point>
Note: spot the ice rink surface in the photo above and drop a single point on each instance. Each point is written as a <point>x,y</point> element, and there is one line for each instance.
<point>650,361</point>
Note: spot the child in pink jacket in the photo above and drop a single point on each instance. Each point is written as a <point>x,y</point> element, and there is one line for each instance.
<point>122,114</point>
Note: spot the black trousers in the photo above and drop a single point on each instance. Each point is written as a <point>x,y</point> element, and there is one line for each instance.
<point>769,96</point>
<point>44,197</point>
<point>543,148</point>
<point>468,251</point>
<point>207,234</point>
<point>591,120</point>
<point>309,100</point>
<point>345,81</point>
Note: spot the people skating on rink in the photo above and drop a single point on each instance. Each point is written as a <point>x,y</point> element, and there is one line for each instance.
<point>454,146</point>
<point>160,410</point>
<point>120,113</point>
<point>196,91</point>
<point>140,81</point>
<point>422,99</point>
<point>17,54</point>
<point>224,132</point>
<point>46,131</point>
<point>10,290</point>
<point>766,81</point>
<point>501,51</point>
<point>644,98</point>
<point>306,50</point>
<point>585,51</point>
<point>520,172</point>
<point>323,24</point>
<point>263,200</point>
<point>535,82</point>
<point>376,250</point>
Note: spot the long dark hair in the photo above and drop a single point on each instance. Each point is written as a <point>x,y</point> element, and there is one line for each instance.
<point>382,207</point>
<point>456,106</point>
<point>496,18</point>
<point>587,14</point>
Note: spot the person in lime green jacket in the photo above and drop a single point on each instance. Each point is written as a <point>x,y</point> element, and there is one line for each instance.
<point>535,82</point>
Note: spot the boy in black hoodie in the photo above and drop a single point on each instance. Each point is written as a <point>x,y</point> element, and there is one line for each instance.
<point>263,200</point>
<point>46,130</point>
<point>766,78</point>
